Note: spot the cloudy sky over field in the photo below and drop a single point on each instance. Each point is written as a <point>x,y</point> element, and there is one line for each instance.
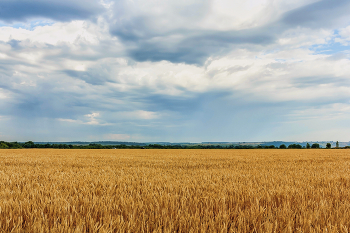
<point>174,70</point>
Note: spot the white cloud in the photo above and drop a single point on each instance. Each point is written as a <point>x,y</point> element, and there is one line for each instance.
<point>69,120</point>
<point>282,75</point>
<point>268,74</point>
<point>138,114</point>
<point>72,32</point>
<point>146,114</point>
<point>92,119</point>
<point>3,94</point>
<point>300,37</point>
<point>344,34</point>
<point>206,15</point>
<point>117,137</point>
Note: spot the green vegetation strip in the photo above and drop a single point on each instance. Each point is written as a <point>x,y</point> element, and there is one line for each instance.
<point>30,144</point>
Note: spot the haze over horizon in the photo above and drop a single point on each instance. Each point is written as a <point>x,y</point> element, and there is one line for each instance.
<point>177,71</point>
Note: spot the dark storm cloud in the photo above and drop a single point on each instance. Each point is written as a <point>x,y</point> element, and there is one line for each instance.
<point>185,105</point>
<point>40,101</point>
<point>63,10</point>
<point>154,53</point>
<point>195,49</point>
<point>318,15</point>
<point>144,43</point>
<point>94,77</point>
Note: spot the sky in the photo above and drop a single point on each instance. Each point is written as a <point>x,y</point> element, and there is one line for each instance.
<point>175,70</point>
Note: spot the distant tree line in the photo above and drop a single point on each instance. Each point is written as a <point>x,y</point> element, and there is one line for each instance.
<point>30,144</point>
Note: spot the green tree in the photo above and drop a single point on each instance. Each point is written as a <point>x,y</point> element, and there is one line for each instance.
<point>3,146</point>
<point>315,145</point>
<point>294,146</point>
<point>29,144</point>
<point>14,145</point>
<point>329,146</point>
<point>308,146</point>
<point>283,146</point>
<point>337,144</point>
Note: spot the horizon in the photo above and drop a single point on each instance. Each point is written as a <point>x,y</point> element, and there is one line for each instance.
<point>175,71</point>
<point>184,142</point>
<point>175,145</point>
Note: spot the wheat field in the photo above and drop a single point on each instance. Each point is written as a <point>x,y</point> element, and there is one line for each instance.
<point>51,190</point>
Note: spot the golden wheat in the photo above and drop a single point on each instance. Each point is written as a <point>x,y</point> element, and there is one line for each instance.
<point>48,190</point>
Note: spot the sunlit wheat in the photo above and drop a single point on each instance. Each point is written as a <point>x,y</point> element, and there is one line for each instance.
<point>48,190</point>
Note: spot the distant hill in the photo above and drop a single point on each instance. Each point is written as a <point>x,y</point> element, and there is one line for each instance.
<point>98,142</point>
<point>275,143</point>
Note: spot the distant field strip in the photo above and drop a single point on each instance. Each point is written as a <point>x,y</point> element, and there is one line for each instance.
<point>51,190</point>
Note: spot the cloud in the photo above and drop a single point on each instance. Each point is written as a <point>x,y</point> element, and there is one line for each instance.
<point>58,33</point>
<point>324,13</point>
<point>213,29</point>
<point>3,94</point>
<point>344,36</point>
<point>69,120</point>
<point>138,114</point>
<point>63,10</point>
<point>176,70</point>
<point>118,137</point>
<point>92,119</point>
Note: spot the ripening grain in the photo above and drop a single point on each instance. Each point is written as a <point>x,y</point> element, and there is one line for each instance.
<point>48,190</point>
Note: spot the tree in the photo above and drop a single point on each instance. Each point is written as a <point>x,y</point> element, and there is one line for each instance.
<point>29,144</point>
<point>283,146</point>
<point>337,144</point>
<point>3,146</point>
<point>307,146</point>
<point>315,145</point>
<point>328,146</point>
<point>294,146</point>
<point>14,145</point>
